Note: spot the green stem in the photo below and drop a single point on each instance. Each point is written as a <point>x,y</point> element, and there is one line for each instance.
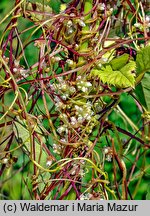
<point>87,8</point>
<point>128,119</point>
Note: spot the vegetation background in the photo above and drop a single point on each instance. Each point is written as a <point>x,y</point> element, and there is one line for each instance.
<point>17,184</point>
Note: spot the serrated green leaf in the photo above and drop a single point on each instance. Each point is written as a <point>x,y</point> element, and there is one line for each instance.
<point>119,62</point>
<point>122,78</point>
<point>143,60</point>
<point>143,91</point>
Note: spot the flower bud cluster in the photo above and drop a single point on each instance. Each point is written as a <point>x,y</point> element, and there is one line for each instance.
<point>83,85</point>
<point>86,196</point>
<point>76,113</point>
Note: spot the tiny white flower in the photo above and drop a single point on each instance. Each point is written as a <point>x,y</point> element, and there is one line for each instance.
<point>84,89</point>
<point>72,89</point>
<point>104,59</point>
<point>64,87</point>
<point>81,23</point>
<point>76,46</point>
<point>80,119</point>
<point>70,62</point>
<point>49,163</point>
<point>72,14</point>
<point>56,99</point>
<point>5,161</point>
<point>15,70</point>
<point>61,129</point>
<point>22,72</point>
<point>109,158</point>
<point>70,31</point>
<point>69,23</point>
<point>76,107</point>
<point>106,150</point>
<point>63,140</point>
<point>101,6</point>
<point>147,18</point>
<point>82,197</point>
<point>64,97</point>
<point>16,63</point>
<point>99,65</point>
<point>137,25</point>
<point>88,117</point>
<point>81,172</point>
<point>79,77</point>
<point>57,58</point>
<point>88,84</point>
<point>73,120</point>
<point>86,196</point>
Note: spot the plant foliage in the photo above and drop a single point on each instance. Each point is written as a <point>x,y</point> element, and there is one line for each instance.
<point>74,100</point>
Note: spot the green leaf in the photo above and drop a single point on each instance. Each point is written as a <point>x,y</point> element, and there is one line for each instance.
<point>119,62</point>
<point>37,7</point>
<point>148,193</point>
<point>142,63</point>
<point>21,131</point>
<point>122,78</point>
<point>143,91</point>
<point>143,60</point>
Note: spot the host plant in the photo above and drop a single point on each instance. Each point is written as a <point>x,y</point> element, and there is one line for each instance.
<point>74,100</point>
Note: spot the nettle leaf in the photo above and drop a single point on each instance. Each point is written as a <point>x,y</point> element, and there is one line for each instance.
<point>119,62</point>
<point>122,78</point>
<point>143,91</point>
<point>143,60</point>
<point>143,77</point>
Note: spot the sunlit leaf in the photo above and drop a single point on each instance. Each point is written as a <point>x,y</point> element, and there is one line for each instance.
<point>122,78</point>
<point>119,62</point>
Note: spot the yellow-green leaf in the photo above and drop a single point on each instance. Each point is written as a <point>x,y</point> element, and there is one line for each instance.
<point>122,78</point>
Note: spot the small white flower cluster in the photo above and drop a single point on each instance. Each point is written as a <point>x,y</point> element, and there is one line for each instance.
<point>80,21</point>
<point>57,148</point>
<point>19,70</point>
<point>75,114</point>
<point>70,62</point>
<point>58,103</point>
<point>83,85</point>
<point>55,59</point>
<point>86,196</point>
<point>65,91</point>
<point>109,157</point>
<point>70,27</point>
<point>97,107</point>
<point>101,6</point>
<point>63,129</point>
<point>84,112</point>
<point>49,163</point>
<point>140,26</point>
<point>108,154</point>
<point>78,168</point>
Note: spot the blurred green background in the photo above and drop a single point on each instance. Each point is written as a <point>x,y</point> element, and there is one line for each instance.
<point>126,103</point>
